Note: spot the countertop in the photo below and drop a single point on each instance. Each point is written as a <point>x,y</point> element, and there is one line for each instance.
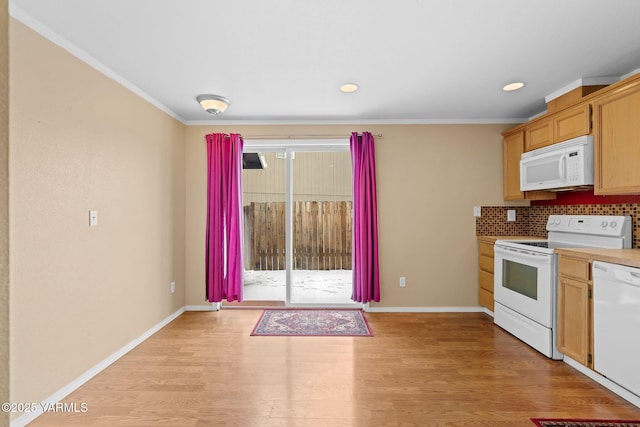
<point>630,257</point>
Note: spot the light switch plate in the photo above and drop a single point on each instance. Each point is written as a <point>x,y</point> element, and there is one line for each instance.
<point>93,218</point>
<point>477,211</point>
<point>511,215</point>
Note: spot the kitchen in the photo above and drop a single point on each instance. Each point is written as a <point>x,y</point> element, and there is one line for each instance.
<point>414,203</point>
<point>566,281</point>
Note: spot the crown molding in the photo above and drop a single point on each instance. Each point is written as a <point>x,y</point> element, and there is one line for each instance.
<point>493,121</point>
<point>586,81</point>
<point>46,32</point>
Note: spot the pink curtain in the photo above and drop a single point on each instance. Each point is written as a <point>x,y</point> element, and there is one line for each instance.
<point>366,277</point>
<point>223,253</point>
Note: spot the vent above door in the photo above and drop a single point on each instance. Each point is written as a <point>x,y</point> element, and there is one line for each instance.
<point>253,161</point>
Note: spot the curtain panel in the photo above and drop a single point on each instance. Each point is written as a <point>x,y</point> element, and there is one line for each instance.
<point>366,277</point>
<point>224,234</point>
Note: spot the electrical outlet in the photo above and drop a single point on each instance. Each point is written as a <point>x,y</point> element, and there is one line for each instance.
<point>403,282</point>
<point>173,287</point>
<point>477,211</point>
<point>511,215</point>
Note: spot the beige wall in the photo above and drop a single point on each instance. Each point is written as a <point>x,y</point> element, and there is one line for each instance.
<point>4,209</point>
<point>79,141</point>
<point>429,179</point>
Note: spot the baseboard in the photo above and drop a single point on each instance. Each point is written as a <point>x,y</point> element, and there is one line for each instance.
<point>424,309</point>
<point>214,306</point>
<point>604,381</point>
<point>92,372</point>
<point>487,311</point>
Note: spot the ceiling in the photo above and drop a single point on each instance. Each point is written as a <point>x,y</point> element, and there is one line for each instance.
<point>282,61</point>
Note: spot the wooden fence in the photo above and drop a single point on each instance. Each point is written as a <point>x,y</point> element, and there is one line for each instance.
<point>321,230</point>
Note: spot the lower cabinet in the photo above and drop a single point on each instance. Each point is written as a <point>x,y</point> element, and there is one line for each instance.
<point>485,275</point>
<point>575,309</point>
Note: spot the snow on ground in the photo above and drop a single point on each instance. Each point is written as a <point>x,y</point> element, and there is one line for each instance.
<point>308,286</point>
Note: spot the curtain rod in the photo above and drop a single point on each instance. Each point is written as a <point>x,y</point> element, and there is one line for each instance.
<point>379,135</point>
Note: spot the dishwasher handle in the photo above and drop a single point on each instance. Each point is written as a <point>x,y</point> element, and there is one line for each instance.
<point>629,277</point>
<point>618,273</point>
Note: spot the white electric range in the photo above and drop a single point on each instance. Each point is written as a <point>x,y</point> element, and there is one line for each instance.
<point>525,274</point>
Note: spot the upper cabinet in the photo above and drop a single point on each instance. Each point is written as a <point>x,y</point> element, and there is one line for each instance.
<point>512,148</point>
<point>617,140</point>
<point>538,134</point>
<point>572,122</point>
<point>612,113</point>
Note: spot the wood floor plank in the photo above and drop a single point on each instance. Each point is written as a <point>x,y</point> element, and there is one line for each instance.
<point>420,369</point>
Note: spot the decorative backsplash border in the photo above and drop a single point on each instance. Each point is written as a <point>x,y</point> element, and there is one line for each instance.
<point>532,221</point>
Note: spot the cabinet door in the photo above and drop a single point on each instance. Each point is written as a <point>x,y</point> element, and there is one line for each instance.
<point>485,275</point>
<point>539,134</point>
<point>513,146</point>
<point>486,298</point>
<point>573,319</point>
<point>617,141</point>
<point>576,268</point>
<point>571,123</point>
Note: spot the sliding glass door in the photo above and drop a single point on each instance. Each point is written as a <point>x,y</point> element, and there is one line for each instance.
<point>264,204</point>
<point>298,223</point>
<point>321,228</point>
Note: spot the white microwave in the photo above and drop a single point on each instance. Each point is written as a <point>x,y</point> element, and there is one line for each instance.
<point>559,166</point>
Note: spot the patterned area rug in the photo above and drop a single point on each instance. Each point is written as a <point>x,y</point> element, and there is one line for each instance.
<point>305,322</point>
<point>548,422</point>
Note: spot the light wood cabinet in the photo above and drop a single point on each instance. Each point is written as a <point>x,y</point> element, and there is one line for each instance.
<point>567,124</point>
<point>538,134</point>
<point>485,275</point>
<point>513,146</point>
<point>575,308</point>
<point>617,140</point>
<point>572,122</point>
<point>612,113</point>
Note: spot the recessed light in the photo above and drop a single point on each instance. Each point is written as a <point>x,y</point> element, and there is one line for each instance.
<point>513,86</point>
<point>349,87</point>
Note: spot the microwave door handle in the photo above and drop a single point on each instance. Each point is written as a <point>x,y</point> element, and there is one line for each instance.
<point>562,166</point>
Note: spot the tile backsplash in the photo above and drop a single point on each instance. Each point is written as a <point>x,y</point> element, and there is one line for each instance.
<point>532,220</point>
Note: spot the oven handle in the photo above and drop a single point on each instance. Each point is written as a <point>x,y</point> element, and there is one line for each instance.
<point>524,255</point>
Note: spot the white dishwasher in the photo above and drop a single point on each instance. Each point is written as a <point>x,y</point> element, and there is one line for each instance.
<point>616,323</point>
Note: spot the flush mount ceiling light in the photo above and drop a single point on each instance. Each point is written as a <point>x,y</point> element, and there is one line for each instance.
<point>513,86</point>
<point>349,87</point>
<point>213,104</point>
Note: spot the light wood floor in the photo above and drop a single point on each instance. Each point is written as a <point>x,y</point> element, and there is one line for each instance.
<point>420,369</point>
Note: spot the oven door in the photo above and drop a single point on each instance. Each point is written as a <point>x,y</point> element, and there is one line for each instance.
<point>524,282</point>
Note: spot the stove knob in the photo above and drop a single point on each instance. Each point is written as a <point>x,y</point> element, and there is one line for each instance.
<point>603,224</point>
<point>557,221</point>
<point>613,224</point>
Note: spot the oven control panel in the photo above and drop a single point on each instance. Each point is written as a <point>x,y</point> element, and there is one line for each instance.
<point>600,225</point>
